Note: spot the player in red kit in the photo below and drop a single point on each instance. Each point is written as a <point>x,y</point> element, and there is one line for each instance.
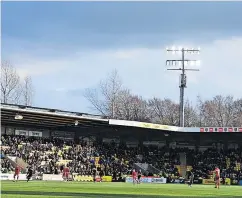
<point>134,175</point>
<point>217,177</point>
<point>66,173</point>
<point>16,173</point>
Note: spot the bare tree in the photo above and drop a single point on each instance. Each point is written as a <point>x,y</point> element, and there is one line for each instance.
<point>140,109</point>
<point>221,111</point>
<point>164,111</point>
<point>10,84</point>
<point>238,113</point>
<point>131,107</point>
<point>27,91</point>
<point>13,89</point>
<point>191,115</point>
<point>104,99</point>
<point>114,101</point>
<point>124,105</point>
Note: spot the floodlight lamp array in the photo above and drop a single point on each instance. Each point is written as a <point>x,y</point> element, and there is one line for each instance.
<point>175,50</point>
<point>186,62</point>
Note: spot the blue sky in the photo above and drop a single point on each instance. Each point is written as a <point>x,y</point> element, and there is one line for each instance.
<point>69,46</point>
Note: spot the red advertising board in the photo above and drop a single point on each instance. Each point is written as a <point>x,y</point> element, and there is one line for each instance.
<point>221,129</point>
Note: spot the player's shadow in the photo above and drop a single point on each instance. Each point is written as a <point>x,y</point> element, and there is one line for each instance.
<point>89,195</point>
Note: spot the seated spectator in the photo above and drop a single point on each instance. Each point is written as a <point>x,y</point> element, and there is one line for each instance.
<point>50,155</point>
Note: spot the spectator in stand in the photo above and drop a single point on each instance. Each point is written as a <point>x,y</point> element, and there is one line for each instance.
<point>49,155</point>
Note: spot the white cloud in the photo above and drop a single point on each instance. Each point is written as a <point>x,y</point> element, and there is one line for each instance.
<point>143,70</point>
<point>128,53</point>
<point>35,66</point>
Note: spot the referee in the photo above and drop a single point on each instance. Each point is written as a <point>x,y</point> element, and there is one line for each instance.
<point>29,173</point>
<point>191,178</point>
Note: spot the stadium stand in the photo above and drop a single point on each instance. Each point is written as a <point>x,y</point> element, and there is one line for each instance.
<point>48,140</point>
<point>50,155</point>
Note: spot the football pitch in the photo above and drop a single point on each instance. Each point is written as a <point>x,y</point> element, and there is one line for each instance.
<point>51,189</point>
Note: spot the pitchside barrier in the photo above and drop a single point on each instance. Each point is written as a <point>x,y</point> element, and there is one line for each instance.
<point>157,180</point>
<point>5,176</point>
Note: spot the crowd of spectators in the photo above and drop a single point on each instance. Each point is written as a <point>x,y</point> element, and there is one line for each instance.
<point>50,155</point>
<point>163,158</point>
<point>6,166</point>
<point>229,161</point>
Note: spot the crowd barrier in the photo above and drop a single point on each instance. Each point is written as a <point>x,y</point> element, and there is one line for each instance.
<point>157,180</point>
<point>5,176</point>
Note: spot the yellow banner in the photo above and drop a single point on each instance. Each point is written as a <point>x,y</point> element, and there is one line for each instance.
<point>208,181</point>
<point>211,181</point>
<point>157,126</point>
<point>107,178</point>
<point>144,125</point>
<point>90,178</point>
<point>82,178</point>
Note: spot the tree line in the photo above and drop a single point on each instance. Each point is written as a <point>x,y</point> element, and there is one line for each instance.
<point>115,101</point>
<point>14,89</point>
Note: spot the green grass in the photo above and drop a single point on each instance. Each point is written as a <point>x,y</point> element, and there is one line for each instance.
<point>43,189</point>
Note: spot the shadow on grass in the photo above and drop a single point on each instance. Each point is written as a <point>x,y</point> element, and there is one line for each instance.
<point>95,195</point>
